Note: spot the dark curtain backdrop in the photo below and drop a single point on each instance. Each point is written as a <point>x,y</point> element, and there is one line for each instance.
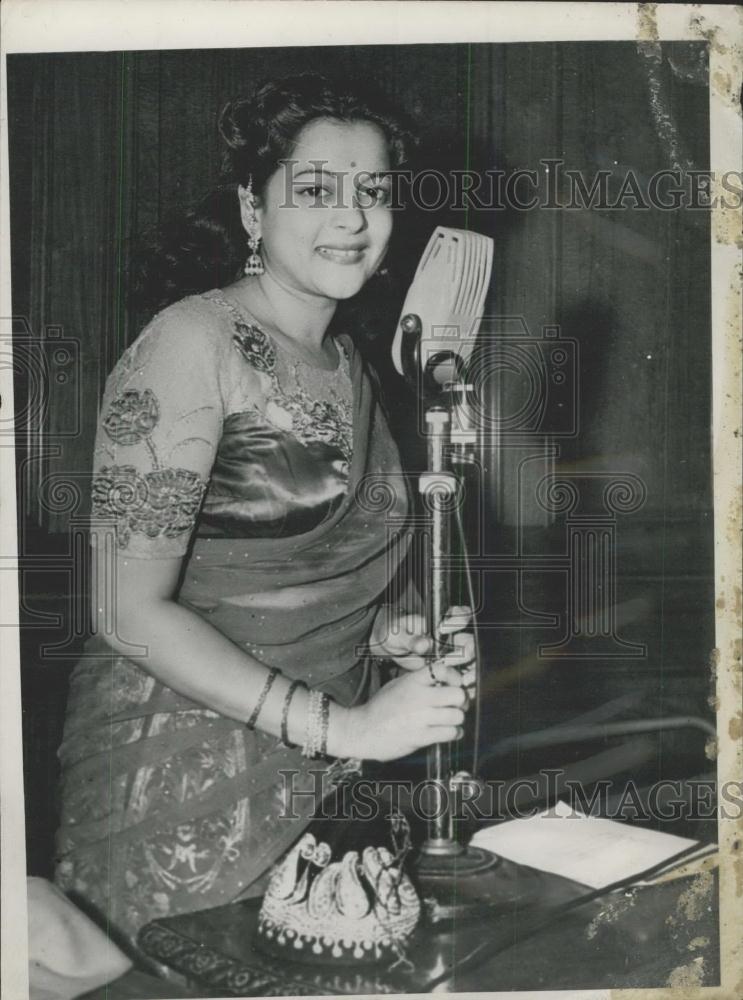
<point>104,145</point>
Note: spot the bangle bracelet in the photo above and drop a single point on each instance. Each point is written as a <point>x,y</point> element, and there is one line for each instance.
<point>262,697</point>
<point>324,723</point>
<point>285,712</point>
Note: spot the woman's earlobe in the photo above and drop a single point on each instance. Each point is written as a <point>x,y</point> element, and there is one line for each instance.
<point>249,208</point>
<point>248,215</point>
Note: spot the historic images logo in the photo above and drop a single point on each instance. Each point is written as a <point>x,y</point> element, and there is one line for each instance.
<point>550,185</point>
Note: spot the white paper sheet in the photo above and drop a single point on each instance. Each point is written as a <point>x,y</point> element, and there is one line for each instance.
<point>587,849</point>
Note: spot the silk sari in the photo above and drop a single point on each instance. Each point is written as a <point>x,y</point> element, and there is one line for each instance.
<point>166,806</point>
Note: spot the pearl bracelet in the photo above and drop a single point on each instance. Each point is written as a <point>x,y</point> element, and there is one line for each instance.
<point>316,732</point>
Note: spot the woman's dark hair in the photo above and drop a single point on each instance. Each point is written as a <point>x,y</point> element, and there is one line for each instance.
<point>206,246</point>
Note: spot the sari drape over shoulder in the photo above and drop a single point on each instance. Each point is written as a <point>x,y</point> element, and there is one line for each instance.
<point>288,504</point>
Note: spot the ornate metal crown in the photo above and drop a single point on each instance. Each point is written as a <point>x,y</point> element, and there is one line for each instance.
<point>352,910</point>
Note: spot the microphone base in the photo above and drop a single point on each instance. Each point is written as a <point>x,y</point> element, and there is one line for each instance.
<point>458,886</point>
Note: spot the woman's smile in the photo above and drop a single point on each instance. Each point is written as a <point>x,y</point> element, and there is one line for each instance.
<point>342,255</point>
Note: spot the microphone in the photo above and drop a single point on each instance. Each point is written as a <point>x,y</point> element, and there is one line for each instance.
<point>439,323</point>
<point>447,295</point>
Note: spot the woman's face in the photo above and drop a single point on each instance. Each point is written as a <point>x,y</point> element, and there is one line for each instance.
<point>325,219</point>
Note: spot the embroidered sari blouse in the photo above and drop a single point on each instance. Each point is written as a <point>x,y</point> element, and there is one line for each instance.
<point>205,419</point>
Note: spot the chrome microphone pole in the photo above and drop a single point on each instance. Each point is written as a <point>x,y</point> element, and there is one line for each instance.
<point>438,487</point>
<point>454,877</point>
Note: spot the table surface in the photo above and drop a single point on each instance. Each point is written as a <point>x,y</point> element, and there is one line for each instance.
<point>544,933</point>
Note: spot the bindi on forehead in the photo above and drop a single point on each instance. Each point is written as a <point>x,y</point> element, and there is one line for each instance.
<point>337,147</point>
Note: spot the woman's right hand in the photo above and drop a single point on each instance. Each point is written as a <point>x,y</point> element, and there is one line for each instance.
<point>408,713</point>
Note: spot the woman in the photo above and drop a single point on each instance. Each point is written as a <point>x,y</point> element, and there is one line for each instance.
<point>238,465</point>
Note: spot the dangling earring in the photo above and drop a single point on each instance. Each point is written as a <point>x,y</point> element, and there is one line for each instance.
<point>254,264</point>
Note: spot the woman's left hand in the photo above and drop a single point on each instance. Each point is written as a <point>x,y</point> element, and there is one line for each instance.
<point>402,638</point>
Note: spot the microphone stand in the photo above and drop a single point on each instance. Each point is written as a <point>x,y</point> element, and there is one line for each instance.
<point>453,877</point>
